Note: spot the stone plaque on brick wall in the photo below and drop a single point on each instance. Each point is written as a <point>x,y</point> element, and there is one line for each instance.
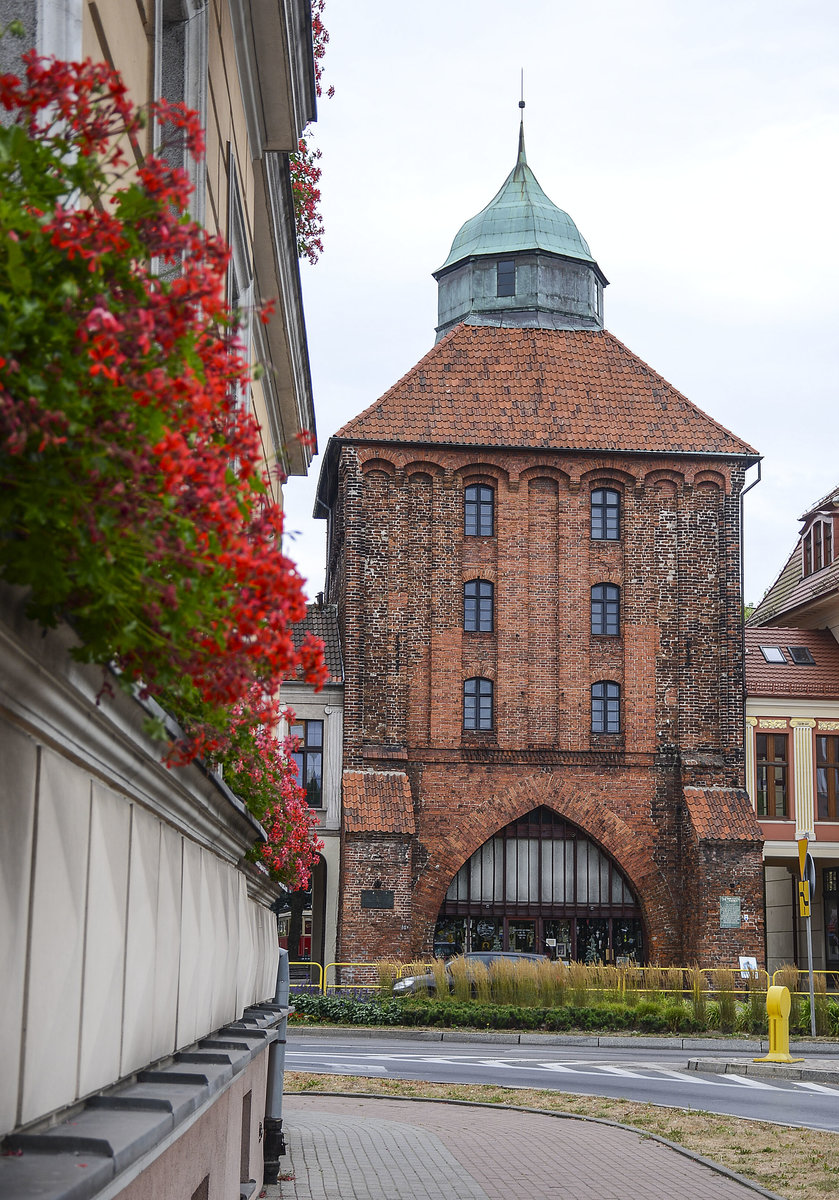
<point>377,898</point>
<point>730,912</point>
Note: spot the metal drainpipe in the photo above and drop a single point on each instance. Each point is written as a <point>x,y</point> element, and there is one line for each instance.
<point>743,661</point>
<point>274,1146</point>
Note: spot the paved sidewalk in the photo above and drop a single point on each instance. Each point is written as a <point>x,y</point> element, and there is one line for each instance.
<point>363,1148</point>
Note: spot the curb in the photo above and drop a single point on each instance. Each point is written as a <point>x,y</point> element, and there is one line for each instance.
<point>543,1112</point>
<point>730,1066</point>
<point>609,1041</point>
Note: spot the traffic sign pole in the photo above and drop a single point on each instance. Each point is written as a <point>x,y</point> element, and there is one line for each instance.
<point>806,890</point>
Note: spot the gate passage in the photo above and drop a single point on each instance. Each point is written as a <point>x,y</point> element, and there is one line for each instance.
<point>540,884</point>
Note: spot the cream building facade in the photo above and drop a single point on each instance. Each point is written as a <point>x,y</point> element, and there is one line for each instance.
<point>138,947</point>
<point>792,738</point>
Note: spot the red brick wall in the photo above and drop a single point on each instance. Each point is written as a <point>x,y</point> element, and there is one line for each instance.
<point>398,581</point>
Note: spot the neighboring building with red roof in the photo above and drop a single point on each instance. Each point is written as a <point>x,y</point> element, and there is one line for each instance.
<point>534,550</point>
<point>792,737</point>
<point>318,725</point>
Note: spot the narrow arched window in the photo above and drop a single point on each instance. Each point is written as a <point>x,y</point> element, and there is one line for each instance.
<point>605,707</point>
<point>478,510</point>
<point>477,606</point>
<point>605,515</point>
<point>477,704</point>
<point>605,610</point>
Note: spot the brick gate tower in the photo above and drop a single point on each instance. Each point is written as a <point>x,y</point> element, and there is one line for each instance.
<point>534,547</point>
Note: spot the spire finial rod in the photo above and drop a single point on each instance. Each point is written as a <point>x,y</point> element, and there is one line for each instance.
<point>522,156</point>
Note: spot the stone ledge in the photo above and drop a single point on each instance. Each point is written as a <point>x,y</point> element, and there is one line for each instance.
<point>78,1157</point>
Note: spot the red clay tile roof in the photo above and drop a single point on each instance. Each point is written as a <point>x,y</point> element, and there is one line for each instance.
<point>787,679</point>
<point>540,388</point>
<point>377,802</point>
<point>322,621</point>
<point>793,590</point>
<point>722,814</point>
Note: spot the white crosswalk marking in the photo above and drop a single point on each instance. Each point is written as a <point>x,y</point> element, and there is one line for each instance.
<point>815,1087</point>
<point>744,1081</point>
<point>622,1071</point>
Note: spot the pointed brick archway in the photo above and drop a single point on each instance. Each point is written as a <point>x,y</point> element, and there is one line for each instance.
<point>621,852</point>
<point>540,885</point>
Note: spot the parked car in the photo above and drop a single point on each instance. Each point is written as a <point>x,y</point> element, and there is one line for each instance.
<point>427,983</point>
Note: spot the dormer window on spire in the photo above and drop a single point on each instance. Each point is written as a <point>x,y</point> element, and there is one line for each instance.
<point>817,546</point>
<point>506,277</point>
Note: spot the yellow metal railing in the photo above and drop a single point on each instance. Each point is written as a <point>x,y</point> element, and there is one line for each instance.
<point>310,966</point>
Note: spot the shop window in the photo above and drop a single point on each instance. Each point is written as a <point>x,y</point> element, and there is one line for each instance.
<point>309,759</point>
<point>477,704</point>
<point>478,510</point>
<point>605,515</point>
<point>605,610</point>
<point>477,606</point>
<point>506,278</point>
<point>771,750</point>
<point>605,707</point>
<point>827,777</point>
<point>830,890</point>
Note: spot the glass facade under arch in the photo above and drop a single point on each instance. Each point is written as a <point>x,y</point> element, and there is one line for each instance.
<point>540,884</point>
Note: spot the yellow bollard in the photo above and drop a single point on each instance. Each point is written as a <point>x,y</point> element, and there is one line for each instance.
<point>777,1009</point>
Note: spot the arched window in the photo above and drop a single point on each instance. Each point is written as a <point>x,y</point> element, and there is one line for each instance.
<point>477,606</point>
<point>605,515</point>
<point>477,703</point>
<point>478,510</point>
<point>605,610</point>
<point>605,707</point>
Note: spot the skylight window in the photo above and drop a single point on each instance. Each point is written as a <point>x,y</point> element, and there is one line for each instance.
<point>773,654</point>
<point>801,656</point>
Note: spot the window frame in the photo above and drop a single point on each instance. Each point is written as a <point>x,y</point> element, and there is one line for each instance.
<point>607,605</point>
<point>601,528</point>
<point>770,771</point>
<point>481,694</point>
<point>509,277</point>
<point>827,772</point>
<point>479,609</point>
<point>606,707</point>
<point>308,751</point>
<point>476,507</point>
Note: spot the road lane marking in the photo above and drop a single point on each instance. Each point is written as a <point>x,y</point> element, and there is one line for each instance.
<point>814,1087</point>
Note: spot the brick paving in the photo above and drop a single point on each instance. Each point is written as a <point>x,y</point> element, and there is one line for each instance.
<point>355,1148</point>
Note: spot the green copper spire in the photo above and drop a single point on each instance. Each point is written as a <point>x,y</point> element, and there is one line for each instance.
<point>520,217</point>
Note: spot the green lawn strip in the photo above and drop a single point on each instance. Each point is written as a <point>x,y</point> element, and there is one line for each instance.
<point>802,1164</point>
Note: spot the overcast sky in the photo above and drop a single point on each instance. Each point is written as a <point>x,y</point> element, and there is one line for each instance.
<point>695,144</point>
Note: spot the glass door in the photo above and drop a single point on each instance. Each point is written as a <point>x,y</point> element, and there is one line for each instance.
<point>521,935</point>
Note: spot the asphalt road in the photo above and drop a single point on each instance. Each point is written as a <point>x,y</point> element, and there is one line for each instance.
<point>655,1076</point>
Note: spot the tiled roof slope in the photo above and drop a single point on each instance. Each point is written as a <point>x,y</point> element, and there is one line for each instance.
<point>787,679</point>
<point>722,814</point>
<point>792,589</point>
<point>322,621</point>
<point>377,802</point>
<point>540,388</point>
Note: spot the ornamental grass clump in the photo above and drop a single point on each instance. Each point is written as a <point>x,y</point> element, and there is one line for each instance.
<point>461,976</point>
<point>387,972</point>
<point>578,980</point>
<point>502,981</point>
<point>788,976</point>
<point>553,983</point>
<point>526,979</point>
<point>726,1000</point>
<point>698,995</point>
<point>441,977</point>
